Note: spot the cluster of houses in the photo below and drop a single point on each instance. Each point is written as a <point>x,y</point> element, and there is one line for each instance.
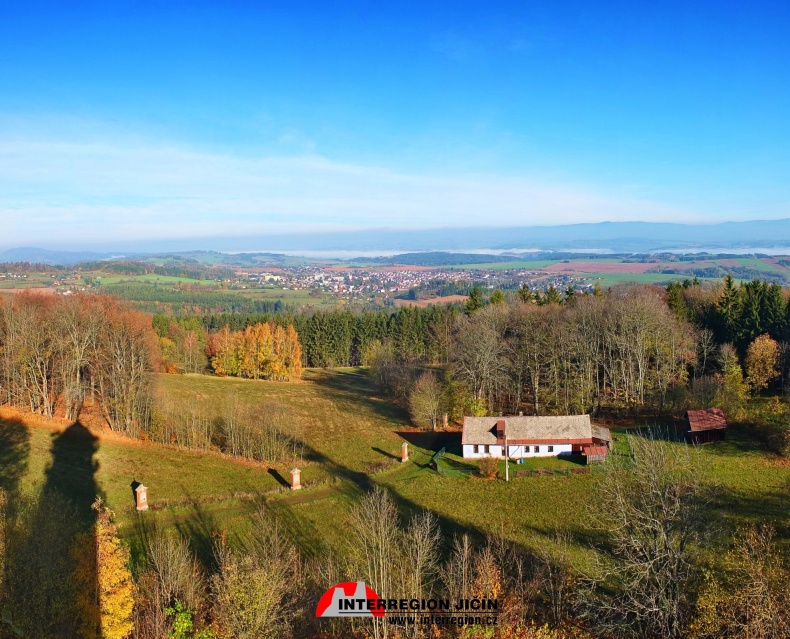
<point>521,437</point>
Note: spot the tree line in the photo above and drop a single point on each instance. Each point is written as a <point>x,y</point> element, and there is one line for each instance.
<point>327,338</point>
<point>153,298</point>
<point>185,268</point>
<point>61,352</point>
<point>735,314</point>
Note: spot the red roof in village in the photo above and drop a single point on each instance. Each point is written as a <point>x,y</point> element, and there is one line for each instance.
<point>710,419</point>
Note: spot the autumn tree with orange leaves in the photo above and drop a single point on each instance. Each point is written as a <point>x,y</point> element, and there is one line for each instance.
<point>260,351</point>
<point>57,351</point>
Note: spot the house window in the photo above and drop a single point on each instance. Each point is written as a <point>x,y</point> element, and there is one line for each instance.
<point>551,449</point>
<point>475,449</point>
<point>536,449</point>
<point>485,449</point>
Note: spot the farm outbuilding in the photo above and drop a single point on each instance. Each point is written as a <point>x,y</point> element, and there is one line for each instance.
<point>535,437</point>
<point>706,426</point>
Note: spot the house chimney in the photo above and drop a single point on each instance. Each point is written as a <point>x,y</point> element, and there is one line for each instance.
<point>296,482</point>
<point>141,497</point>
<point>521,413</point>
<point>404,452</point>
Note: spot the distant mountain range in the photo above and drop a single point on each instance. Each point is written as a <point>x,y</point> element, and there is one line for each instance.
<point>618,237</point>
<point>46,256</point>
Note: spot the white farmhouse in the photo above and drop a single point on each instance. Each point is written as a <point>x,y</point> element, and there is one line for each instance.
<point>535,437</point>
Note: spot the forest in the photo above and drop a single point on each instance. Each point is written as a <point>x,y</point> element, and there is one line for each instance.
<point>632,348</point>
<point>633,352</point>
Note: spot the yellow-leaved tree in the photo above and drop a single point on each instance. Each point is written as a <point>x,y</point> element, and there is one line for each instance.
<point>762,358</point>
<point>105,590</point>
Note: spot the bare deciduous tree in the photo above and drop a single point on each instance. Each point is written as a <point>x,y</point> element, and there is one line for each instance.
<point>426,400</point>
<point>375,527</point>
<point>650,509</point>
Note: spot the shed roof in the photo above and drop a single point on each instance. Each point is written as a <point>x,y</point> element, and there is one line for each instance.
<point>482,430</point>
<point>710,419</point>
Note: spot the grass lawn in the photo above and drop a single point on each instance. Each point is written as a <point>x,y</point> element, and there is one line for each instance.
<point>352,440</point>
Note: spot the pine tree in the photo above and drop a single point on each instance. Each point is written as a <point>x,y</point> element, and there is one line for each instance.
<point>773,311</point>
<point>552,296</point>
<point>676,300</point>
<point>750,323</point>
<point>475,300</point>
<point>497,297</point>
<point>525,294</point>
<point>727,314</point>
<point>597,289</point>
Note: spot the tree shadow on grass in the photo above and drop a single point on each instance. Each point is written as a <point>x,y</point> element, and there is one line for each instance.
<point>302,533</point>
<point>729,508</point>
<point>200,528</point>
<point>356,388</point>
<point>355,484</point>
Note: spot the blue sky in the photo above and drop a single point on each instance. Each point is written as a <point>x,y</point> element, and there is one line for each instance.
<point>171,119</point>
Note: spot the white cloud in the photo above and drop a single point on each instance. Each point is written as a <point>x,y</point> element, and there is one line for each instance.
<point>58,192</point>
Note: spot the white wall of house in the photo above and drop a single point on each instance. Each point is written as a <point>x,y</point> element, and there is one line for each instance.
<point>478,452</point>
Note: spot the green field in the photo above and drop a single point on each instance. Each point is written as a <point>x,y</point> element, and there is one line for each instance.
<point>351,443</point>
<point>33,280</point>
<point>291,297</point>
<point>759,265</point>
<point>156,279</point>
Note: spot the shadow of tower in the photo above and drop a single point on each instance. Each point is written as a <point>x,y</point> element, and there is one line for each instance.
<point>54,593</point>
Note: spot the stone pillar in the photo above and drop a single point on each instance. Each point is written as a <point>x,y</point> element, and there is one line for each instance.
<point>404,452</point>
<point>296,482</point>
<point>141,497</point>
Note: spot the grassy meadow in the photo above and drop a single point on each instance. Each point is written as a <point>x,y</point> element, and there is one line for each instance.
<point>351,442</point>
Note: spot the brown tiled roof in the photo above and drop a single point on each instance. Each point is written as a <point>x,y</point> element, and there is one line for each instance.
<point>528,430</point>
<point>710,419</point>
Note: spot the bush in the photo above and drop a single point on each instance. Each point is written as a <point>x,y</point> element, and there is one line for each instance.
<point>487,467</point>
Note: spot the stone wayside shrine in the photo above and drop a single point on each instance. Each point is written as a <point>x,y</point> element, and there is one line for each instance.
<point>141,497</point>
<point>296,479</point>
<point>404,452</point>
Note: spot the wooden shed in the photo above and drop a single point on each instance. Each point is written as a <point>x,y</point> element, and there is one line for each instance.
<point>706,426</point>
